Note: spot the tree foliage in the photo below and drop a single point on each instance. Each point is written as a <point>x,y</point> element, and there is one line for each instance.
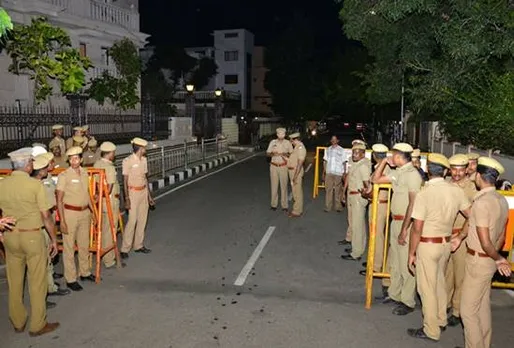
<point>122,90</point>
<point>455,57</point>
<point>5,23</point>
<point>44,52</point>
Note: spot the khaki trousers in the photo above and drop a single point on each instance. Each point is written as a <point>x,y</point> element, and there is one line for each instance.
<point>109,259</point>
<point>78,223</point>
<point>403,284</point>
<point>431,262</point>
<point>357,207</point>
<point>278,177</point>
<point>26,250</point>
<point>297,189</point>
<point>348,237</point>
<point>332,191</point>
<point>50,269</point>
<point>455,277</point>
<point>380,235</point>
<point>475,305</point>
<point>134,233</point>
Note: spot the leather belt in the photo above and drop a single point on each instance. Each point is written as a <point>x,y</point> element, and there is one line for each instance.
<point>382,201</point>
<point>398,217</point>
<point>473,252</point>
<point>456,231</point>
<point>354,193</point>
<point>435,240</point>
<point>278,165</point>
<point>116,196</point>
<point>293,168</point>
<point>75,208</point>
<point>137,188</point>
<point>28,229</point>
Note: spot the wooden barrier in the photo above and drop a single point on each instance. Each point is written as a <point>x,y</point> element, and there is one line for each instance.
<point>98,195</point>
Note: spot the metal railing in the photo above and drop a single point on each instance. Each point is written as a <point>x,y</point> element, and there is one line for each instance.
<point>163,160</point>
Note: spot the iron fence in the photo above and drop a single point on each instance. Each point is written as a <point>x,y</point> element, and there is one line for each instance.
<point>21,126</point>
<point>166,159</point>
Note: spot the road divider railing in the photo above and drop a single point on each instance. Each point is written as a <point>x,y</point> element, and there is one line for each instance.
<point>99,199</point>
<point>383,272</point>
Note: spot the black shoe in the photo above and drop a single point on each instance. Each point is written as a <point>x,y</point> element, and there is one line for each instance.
<point>60,292</point>
<point>443,328</point>
<point>350,257</point>
<point>344,242</point>
<point>419,333</point>
<point>57,275</point>
<point>364,264</point>
<point>348,250</point>
<point>143,250</point>
<point>273,208</point>
<point>363,272</point>
<point>75,286</point>
<point>389,300</point>
<point>89,278</point>
<point>402,309</point>
<point>124,256</point>
<point>454,321</point>
<point>50,305</point>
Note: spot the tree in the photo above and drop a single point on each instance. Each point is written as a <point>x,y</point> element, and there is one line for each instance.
<point>121,90</point>
<point>450,55</point>
<point>5,23</point>
<point>44,52</point>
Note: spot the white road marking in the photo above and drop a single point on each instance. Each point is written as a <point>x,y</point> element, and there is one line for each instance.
<point>204,176</point>
<point>308,168</point>
<point>509,292</point>
<point>255,256</point>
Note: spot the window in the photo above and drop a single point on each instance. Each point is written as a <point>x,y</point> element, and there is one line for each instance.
<point>105,56</point>
<point>231,35</point>
<point>231,79</point>
<point>83,49</point>
<point>231,56</point>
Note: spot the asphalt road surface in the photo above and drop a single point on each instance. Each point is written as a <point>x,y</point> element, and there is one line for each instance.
<point>299,293</point>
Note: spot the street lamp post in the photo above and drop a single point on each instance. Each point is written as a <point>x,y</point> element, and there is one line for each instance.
<point>218,114</point>
<point>190,106</point>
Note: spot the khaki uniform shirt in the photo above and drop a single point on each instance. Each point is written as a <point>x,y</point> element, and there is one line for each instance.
<point>360,171</point>
<point>110,175</point>
<point>69,143</point>
<point>404,180</point>
<point>437,205</point>
<point>298,154</point>
<point>50,188</point>
<point>136,170</point>
<point>61,162</point>
<point>280,146</point>
<point>75,187</point>
<point>23,198</point>
<point>90,157</point>
<point>470,191</point>
<point>383,195</point>
<point>490,209</point>
<point>61,142</point>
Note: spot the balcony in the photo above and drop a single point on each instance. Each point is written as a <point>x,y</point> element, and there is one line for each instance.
<point>98,11</point>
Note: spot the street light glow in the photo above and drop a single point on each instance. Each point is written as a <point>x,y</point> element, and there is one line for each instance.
<point>218,92</point>
<point>190,87</point>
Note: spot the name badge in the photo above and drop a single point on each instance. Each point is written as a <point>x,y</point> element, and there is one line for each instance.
<point>135,165</point>
<point>75,181</point>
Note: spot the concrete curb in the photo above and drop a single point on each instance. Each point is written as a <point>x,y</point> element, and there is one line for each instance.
<point>189,173</point>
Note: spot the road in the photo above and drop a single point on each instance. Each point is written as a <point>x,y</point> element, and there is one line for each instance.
<point>299,293</point>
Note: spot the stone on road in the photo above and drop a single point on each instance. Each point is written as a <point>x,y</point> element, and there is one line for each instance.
<point>299,292</point>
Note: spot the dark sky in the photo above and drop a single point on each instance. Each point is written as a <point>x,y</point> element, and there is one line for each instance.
<point>189,22</point>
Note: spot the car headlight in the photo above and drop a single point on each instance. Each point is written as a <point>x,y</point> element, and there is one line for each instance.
<point>313,132</point>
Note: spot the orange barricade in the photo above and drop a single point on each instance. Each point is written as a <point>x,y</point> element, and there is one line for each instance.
<point>373,209</point>
<point>99,195</point>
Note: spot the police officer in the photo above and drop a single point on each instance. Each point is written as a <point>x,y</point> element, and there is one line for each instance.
<point>59,158</point>
<point>24,199</point>
<point>77,132</point>
<point>485,236</point>
<point>358,179</point>
<point>279,150</point>
<point>41,168</point>
<point>137,198</point>
<point>334,168</point>
<point>472,166</point>
<point>406,183</point>
<point>74,205</point>
<point>430,247</point>
<point>91,154</point>
<point>58,130</point>
<point>107,163</point>
<point>416,162</point>
<point>454,275</point>
<point>295,167</point>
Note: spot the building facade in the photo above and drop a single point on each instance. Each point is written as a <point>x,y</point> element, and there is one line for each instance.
<point>261,98</point>
<point>93,26</point>
<point>233,53</point>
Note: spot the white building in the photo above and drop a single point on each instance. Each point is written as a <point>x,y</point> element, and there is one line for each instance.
<point>233,53</point>
<point>93,26</point>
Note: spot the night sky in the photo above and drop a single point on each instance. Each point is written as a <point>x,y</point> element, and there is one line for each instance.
<point>190,22</point>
